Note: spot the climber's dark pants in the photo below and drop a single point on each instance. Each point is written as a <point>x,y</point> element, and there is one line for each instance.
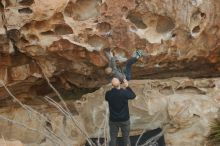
<point>129,64</point>
<point>127,71</point>
<point>114,129</point>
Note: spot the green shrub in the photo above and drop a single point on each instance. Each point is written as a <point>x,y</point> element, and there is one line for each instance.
<point>214,135</point>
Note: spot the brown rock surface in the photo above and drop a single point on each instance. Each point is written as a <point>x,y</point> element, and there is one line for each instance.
<point>183,105</point>
<point>10,143</point>
<point>64,40</point>
<point>66,37</point>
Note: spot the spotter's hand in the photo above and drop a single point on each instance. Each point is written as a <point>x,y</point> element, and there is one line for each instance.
<point>125,83</point>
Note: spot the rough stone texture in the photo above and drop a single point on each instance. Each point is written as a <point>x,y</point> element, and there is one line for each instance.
<point>65,39</point>
<point>183,105</point>
<point>10,143</point>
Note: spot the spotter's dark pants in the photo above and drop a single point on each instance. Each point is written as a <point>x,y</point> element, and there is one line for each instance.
<point>114,129</point>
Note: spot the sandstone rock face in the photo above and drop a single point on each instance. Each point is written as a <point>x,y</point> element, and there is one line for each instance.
<point>10,143</point>
<point>184,106</point>
<point>65,39</point>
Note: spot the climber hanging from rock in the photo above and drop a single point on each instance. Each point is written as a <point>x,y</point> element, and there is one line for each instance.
<point>114,67</point>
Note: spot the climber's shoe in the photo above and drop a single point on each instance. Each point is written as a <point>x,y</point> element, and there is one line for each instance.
<point>138,53</point>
